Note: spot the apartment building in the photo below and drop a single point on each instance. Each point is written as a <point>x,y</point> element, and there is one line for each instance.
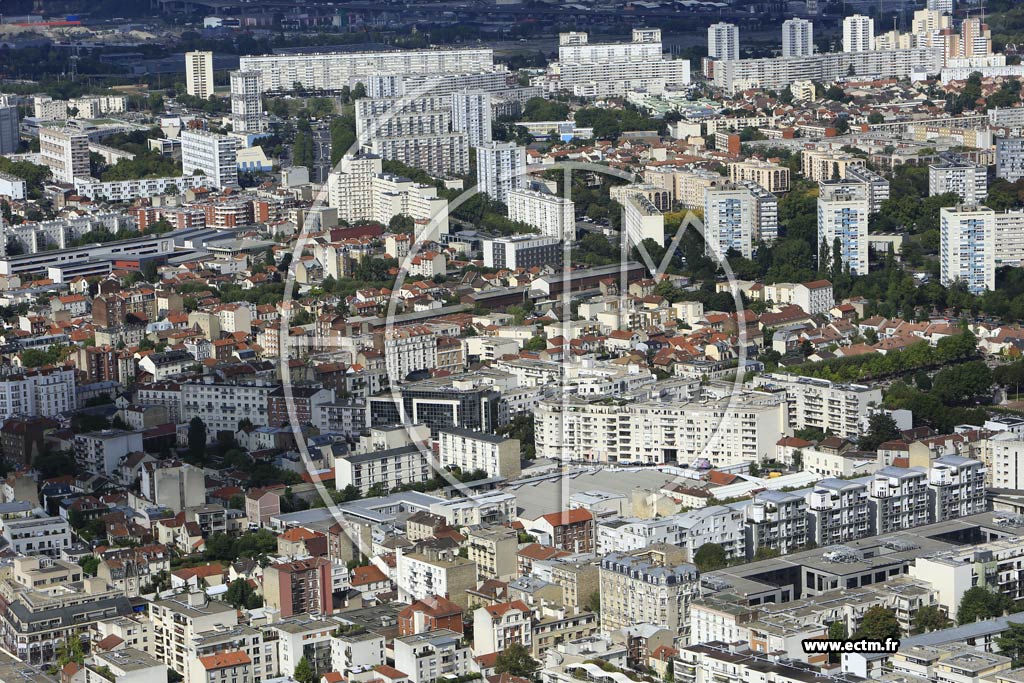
<point>10,137</point>
<point>821,404</point>
<point>569,530</point>
<point>797,38</point>
<point>522,251</point>
<point>858,33</point>
<point>777,520</point>
<point>612,69</point>
<point>247,102</point>
<point>723,41</point>
<point>724,431</point>
<point>442,402</point>
<point>431,614</point>
<point>494,552</point>
<point>199,74</point>
<point>954,175</point>
<point>660,196</point>
<point>420,577</point>
<point>498,627</point>
<point>432,656</point>
<point>642,220</point>
<point>956,487</point>
<point>410,349</point>
<point>728,221</point>
<point>500,167</point>
<point>415,131</point>
<point>686,185</point>
<point>336,70</point>
<point>299,587</point>
<point>222,406</point>
<point>843,211</point>
<point>777,73</point>
<point>469,451</point>
<point>772,177</point>
<point>65,152</point>
<point>1006,460</point>
<point>877,186</point>
<point>260,646</point>
<point>357,652</point>
<point>967,246</point>
<point>128,190</point>
<point>179,620</point>
<point>37,535</point>
<point>46,391</point>
<point>838,511</point>
<point>471,114</point>
<point>212,154</point>
<point>552,215</point>
<point>649,586</point>
<point>900,499</point>
<point>690,530</point>
<point>820,165</point>
<point>1010,158</point>
<point>101,452</point>
<point>384,469</point>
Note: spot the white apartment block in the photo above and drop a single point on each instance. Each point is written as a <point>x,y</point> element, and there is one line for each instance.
<point>498,627</point>
<point>967,236</point>
<point>336,70</point>
<point>1007,460</point>
<point>966,180</point>
<point>432,656</point>
<point>387,469</point>
<point>410,349</point>
<point>797,38</point>
<point>776,73</point>
<point>776,519</point>
<point>838,512</point>
<point>178,621</point>
<point>821,404</point>
<point>101,452</point>
<point>10,135</point>
<point>641,220</point>
<point>469,450</point>
<point>471,114</point>
<point>858,33</point>
<point>876,185</point>
<point>957,487</point>
<point>11,186</point>
<point>222,406</point>
<point>417,132</point>
<point>723,41</point>
<point>500,167</point>
<point>899,497</point>
<point>43,391</point>
<point>728,221</point>
<point>843,215</point>
<point>37,535</point>
<point>213,154</point>
<point>688,530</point>
<point>441,154</point>
<point>1010,158</point>
<point>355,652</point>
<point>199,74</point>
<point>128,190</point>
<point>606,69</point>
<point>552,215</point>
<point>724,431</point>
<point>247,102</point>
<point>65,152</point>
<point>419,577</point>
<point>522,251</point>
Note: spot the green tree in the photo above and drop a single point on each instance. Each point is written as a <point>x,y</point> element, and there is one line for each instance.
<point>709,557</point>
<point>930,618</point>
<point>837,631</point>
<point>1011,644</point>
<point>89,564</point>
<point>594,602</point>
<point>71,650</point>
<point>304,672</point>
<point>197,439</point>
<point>981,603</point>
<point>878,623</point>
<point>881,428</point>
<point>766,553</point>
<point>962,383</point>
<point>241,594</point>
<point>537,343</point>
<point>516,660</point>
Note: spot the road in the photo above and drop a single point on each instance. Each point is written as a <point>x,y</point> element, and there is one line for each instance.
<point>321,154</point>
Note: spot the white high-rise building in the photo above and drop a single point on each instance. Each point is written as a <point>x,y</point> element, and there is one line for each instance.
<point>797,38</point>
<point>246,102</point>
<point>553,215</point>
<point>641,220</point>
<point>843,215</point>
<point>728,221</point>
<point>500,167</point>
<point>471,114</point>
<point>967,246</point>
<point>943,6</point>
<point>968,181</point>
<point>858,33</point>
<point>417,132</point>
<point>65,152</point>
<point>215,155</point>
<point>723,41</point>
<point>199,74</point>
